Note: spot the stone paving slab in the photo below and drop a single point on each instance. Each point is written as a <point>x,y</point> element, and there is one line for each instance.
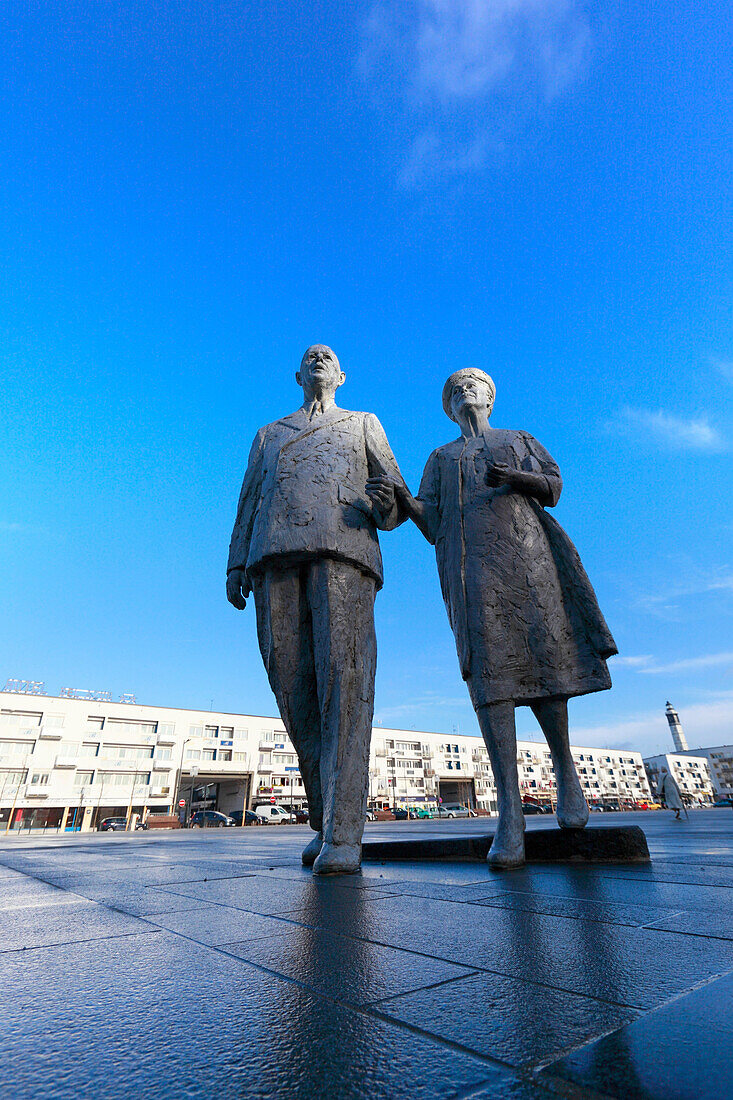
<point>179,1019</point>
<point>511,1020</point>
<point>356,971</point>
<point>186,964</point>
<point>636,1061</point>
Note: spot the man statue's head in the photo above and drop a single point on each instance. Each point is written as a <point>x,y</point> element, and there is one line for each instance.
<point>320,372</point>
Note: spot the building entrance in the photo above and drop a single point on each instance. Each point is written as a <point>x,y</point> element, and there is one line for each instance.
<point>458,790</point>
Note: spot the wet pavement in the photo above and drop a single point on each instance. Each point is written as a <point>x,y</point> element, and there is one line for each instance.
<point>210,963</point>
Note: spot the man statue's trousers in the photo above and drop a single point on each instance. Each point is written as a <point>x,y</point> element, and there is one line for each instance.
<point>315,626</point>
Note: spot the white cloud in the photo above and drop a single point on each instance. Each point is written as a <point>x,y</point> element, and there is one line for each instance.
<point>724,367</point>
<point>420,704</point>
<point>15,528</point>
<point>464,49</point>
<point>665,605</point>
<point>645,665</point>
<point>630,662</point>
<point>679,433</point>
<point>704,724</point>
<point>431,155</point>
<point>691,664</point>
<point>453,56</point>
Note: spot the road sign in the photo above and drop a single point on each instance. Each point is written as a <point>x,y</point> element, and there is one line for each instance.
<point>181,801</point>
<point>273,799</point>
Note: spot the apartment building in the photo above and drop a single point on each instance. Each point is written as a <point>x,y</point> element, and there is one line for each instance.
<point>68,762</point>
<point>720,765</point>
<point>691,773</point>
<point>414,768</point>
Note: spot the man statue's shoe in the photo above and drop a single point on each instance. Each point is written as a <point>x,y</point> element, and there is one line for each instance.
<point>507,849</point>
<point>572,809</point>
<point>338,859</point>
<point>310,852</point>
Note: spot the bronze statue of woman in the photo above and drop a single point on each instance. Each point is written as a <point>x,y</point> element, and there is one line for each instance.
<point>528,628</point>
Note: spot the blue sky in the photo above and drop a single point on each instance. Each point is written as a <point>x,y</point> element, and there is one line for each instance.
<point>193,193</point>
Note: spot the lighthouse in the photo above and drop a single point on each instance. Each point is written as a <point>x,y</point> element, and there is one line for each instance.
<point>680,741</point>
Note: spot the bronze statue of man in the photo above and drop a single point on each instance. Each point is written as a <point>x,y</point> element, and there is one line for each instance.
<point>528,628</point>
<point>305,542</point>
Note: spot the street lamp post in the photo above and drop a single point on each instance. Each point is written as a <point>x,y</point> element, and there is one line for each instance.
<point>193,772</point>
<point>132,798</point>
<point>178,776</point>
<point>95,819</point>
<point>15,801</point>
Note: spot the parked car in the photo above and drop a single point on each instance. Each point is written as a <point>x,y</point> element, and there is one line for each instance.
<point>301,816</point>
<point>401,814</point>
<point>370,815</point>
<point>246,817</point>
<point>534,808</point>
<point>118,824</point>
<point>270,814</point>
<point>455,809</point>
<point>210,819</point>
<point>723,803</point>
<point>421,813</point>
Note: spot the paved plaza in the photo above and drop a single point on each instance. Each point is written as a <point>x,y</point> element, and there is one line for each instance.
<point>210,964</point>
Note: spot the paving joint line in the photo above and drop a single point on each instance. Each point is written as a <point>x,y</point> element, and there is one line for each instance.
<point>74,943</point>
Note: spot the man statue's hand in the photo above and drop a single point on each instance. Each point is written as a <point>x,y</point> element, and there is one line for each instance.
<point>381,490</point>
<point>236,588</point>
<point>499,473</point>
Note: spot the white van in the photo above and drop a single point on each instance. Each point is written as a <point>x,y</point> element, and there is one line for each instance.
<point>274,815</point>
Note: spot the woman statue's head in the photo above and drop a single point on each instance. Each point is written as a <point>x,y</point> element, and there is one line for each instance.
<point>469,388</point>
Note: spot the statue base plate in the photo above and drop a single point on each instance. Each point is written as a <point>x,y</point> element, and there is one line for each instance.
<point>615,844</point>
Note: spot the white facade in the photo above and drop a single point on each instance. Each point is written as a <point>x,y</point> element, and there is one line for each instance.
<point>690,772</point>
<point>409,768</point>
<point>720,764</point>
<point>67,761</point>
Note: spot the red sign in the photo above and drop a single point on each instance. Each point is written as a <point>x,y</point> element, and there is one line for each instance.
<point>273,799</point>
<point>181,801</point>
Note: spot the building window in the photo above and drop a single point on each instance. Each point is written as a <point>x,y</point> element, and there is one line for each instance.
<point>208,754</point>
<point>240,734</point>
<point>164,754</point>
<point>224,754</point>
<point>240,757</point>
<point>125,779</point>
<point>94,722</point>
<point>54,721</point>
<point>11,780</point>
<point>196,731</point>
<point>126,752</point>
<point>83,779</point>
<point>20,718</point>
<point>16,748</point>
<point>118,726</point>
<point>193,754</point>
<point>166,729</point>
<point>40,778</point>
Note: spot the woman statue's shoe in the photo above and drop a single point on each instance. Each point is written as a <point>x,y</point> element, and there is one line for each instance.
<point>338,859</point>
<point>310,852</point>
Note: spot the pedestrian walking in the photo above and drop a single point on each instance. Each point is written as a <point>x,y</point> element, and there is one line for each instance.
<point>670,794</point>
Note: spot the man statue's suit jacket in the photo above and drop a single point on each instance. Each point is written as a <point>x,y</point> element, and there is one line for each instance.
<point>304,493</point>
